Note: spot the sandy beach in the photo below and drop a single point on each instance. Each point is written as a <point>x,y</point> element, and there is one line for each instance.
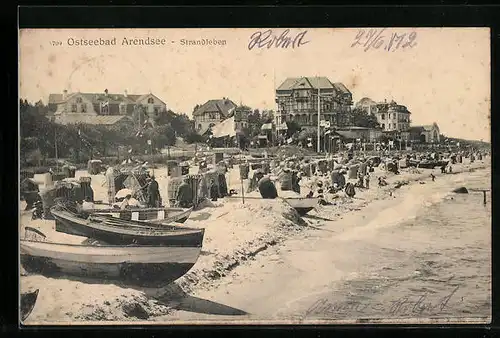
<point>254,264</point>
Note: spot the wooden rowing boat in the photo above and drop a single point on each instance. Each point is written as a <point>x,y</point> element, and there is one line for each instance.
<point>132,265</point>
<point>303,205</point>
<point>158,215</point>
<point>27,303</point>
<point>115,231</point>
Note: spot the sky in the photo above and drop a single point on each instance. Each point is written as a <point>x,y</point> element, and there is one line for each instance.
<point>444,77</point>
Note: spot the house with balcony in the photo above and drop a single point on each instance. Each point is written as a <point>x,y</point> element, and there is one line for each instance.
<point>297,100</point>
<point>102,108</point>
<point>393,118</point>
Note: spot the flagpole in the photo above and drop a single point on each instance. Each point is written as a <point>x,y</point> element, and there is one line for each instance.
<point>55,143</point>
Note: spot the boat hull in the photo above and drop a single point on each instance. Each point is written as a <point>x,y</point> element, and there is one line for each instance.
<point>27,304</point>
<point>302,205</point>
<point>121,235</point>
<point>135,265</point>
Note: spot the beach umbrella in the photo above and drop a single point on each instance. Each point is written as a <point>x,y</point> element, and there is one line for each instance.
<point>123,193</point>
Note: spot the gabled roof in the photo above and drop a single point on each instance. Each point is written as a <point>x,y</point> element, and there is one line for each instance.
<point>89,119</point>
<point>341,88</point>
<point>222,106</point>
<point>306,82</point>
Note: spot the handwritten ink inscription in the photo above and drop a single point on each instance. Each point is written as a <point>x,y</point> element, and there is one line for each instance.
<point>404,306</point>
<point>377,39</point>
<point>268,39</point>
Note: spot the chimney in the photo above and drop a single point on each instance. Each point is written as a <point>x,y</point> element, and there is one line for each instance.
<point>125,93</point>
<point>105,92</point>
<point>65,94</point>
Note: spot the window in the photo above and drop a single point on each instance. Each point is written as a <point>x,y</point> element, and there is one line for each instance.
<point>79,100</point>
<point>383,125</point>
<point>157,111</point>
<point>73,108</point>
<point>84,107</point>
<point>104,110</point>
<point>199,126</point>
<point>151,100</point>
<point>383,116</point>
<point>123,109</point>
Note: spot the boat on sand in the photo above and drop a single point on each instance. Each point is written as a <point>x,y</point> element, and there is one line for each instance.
<point>27,304</point>
<point>115,231</point>
<point>131,265</point>
<point>303,205</point>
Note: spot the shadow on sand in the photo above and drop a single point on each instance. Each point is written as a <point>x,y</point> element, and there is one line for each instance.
<point>308,216</point>
<point>199,305</point>
<point>171,296</point>
<point>200,217</point>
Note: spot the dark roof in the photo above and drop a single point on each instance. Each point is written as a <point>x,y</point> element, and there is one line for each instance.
<point>347,134</point>
<point>89,119</point>
<point>98,97</point>
<point>320,82</point>
<point>222,106</point>
<point>340,87</point>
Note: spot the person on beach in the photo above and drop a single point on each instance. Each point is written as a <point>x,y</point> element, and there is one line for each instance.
<point>153,193</point>
<point>360,183</point>
<point>381,182</point>
<point>296,177</point>
<point>367,181</point>
<point>214,191</point>
<point>184,195</point>
<point>433,177</point>
<point>443,169</point>
<point>349,190</point>
<point>267,188</point>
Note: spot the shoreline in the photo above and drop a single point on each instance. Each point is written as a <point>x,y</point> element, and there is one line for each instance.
<point>211,269</point>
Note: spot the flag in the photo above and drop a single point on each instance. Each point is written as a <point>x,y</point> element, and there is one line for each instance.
<point>225,128</point>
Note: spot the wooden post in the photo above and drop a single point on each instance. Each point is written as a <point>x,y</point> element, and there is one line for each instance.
<point>484,197</point>
<point>242,192</point>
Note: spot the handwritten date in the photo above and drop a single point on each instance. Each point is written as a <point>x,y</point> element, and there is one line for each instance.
<point>376,39</point>
<point>267,39</point>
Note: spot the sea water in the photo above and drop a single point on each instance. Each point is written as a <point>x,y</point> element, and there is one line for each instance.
<point>427,258</point>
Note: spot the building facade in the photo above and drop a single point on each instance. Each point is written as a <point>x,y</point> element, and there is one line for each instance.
<point>297,100</point>
<point>211,113</point>
<point>425,134</point>
<point>392,117</point>
<point>84,106</point>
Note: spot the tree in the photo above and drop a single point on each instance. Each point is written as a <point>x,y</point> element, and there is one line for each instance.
<point>361,118</point>
<point>292,128</point>
<point>267,116</point>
